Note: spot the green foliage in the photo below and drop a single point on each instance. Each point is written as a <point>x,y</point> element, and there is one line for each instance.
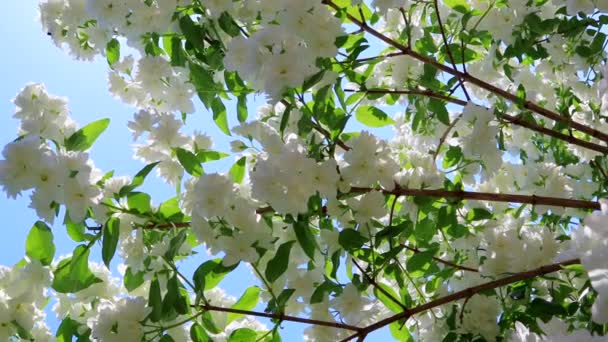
<point>83,139</point>
<point>248,301</point>
<point>373,117</point>
<point>111,231</point>
<point>39,243</point>
<point>237,171</point>
<point>73,274</point>
<point>278,265</point>
<point>113,52</point>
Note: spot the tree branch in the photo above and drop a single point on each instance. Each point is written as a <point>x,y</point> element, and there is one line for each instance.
<point>512,119</point>
<point>472,79</point>
<point>447,49</point>
<point>440,193</point>
<point>280,317</point>
<point>486,196</point>
<point>466,293</point>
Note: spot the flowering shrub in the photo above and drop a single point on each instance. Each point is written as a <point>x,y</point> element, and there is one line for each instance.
<point>481,217</point>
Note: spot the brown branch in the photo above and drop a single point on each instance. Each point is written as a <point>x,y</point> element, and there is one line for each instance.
<point>445,262</point>
<point>367,59</point>
<point>512,119</point>
<point>281,317</point>
<point>440,193</point>
<point>486,196</point>
<point>444,136</point>
<point>427,93</point>
<point>472,79</point>
<point>447,49</point>
<point>466,293</point>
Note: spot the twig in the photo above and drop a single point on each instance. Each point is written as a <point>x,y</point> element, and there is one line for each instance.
<point>447,49</point>
<point>281,317</point>
<point>486,196</point>
<point>373,282</point>
<point>445,262</point>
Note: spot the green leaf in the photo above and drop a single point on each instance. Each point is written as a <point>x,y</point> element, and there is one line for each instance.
<point>208,156</point>
<point>248,301</point>
<point>322,291</point>
<point>21,332</point>
<point>425,230</point>
<point>387,301</point>
<point>543,308</point>
<point>198,333</point>
<point>111,231</point>
<point>193,32</point>
<point>178,57</point>
<point>202,79</point>
<point>440,111</point>
<point>166,338</point>
<point>176,300</point>
<point>312,80</point>
<point>210,273</point>
<point>373,117</point>
<point>241,108</point>
<point>83,139</point>
<point>452,157</point>
<point>278,265</point>
<point>237,171</point>
<point>139,201</point>
<point>39,244</point>
<point>209,324</point>
<point>243,335</point>
<point>285,119</point>
<point>67,329</point>
<point>351,239</point>
<point>305,237</point>
<point>113,52</point>
<point>175,244</point>
<point>132,280</point>
<point>155,300</point>
<point>219,115</point>
<point>170,211</point>
<point>459,5</point>
<point>73,274</point>
<point>189,161</point>
<point>400,332</point>
<point>419,261</point>
<point>76,231</point>
<point>477,214</point>
<point>228,25</point>
<point>138,179</point>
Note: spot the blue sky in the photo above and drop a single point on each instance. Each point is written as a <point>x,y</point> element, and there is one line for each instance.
<point>29,56</point>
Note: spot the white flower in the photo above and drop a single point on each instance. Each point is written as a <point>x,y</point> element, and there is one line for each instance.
<point>371,205</point>
<point>351,304</point>
<point>591,243</point>
<point>120,321</point>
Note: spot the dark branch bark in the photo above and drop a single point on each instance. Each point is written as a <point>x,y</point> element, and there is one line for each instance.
<point>280,317</point>
<point>486,196</point>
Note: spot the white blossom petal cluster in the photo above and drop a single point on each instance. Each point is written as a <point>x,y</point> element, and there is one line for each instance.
<point>590,242</point>
<point>23,295</point>
<point>56,175</point>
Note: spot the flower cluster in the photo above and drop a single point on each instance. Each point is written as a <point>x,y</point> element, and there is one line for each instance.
<point>58,176</point>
